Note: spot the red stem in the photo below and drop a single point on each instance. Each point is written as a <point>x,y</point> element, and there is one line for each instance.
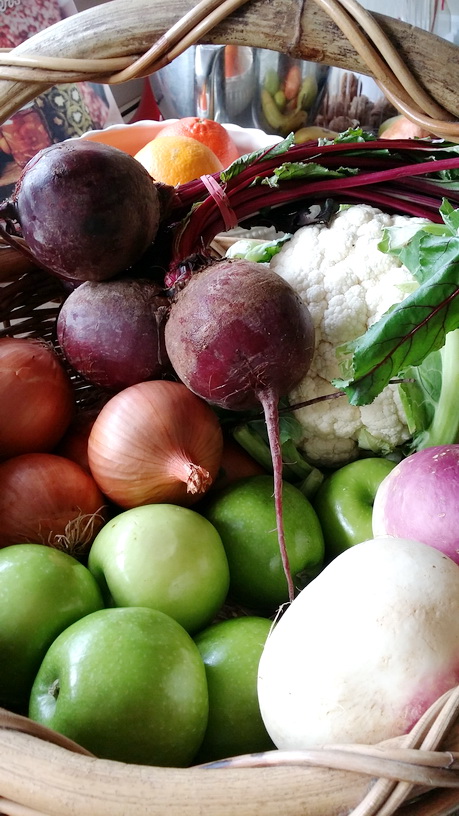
<point>269,401</point>
<point>375,185</point>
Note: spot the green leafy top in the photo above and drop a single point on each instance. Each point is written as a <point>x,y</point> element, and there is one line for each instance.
<point>408,332</point>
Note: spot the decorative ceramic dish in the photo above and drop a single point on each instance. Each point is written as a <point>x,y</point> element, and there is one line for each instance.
<point>132,138</point>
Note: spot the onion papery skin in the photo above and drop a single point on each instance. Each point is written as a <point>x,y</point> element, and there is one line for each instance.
<point>37,401</point>
<point>74,443</point>
<point>155,442</point>
<point>47,499</point>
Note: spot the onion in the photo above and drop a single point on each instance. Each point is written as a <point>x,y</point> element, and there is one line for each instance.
<point>36,397</point>
<point>74,443</point>
<point>47,499</point>
<point>155,442</point>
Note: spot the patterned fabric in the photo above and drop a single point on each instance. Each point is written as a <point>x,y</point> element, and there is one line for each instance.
<point>65,111</point>
<point>20,19</point>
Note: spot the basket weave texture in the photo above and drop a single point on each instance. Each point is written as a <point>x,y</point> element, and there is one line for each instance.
<point>42,773</point>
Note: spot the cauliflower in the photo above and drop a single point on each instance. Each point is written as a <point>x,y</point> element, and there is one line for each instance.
<point>347,284</point>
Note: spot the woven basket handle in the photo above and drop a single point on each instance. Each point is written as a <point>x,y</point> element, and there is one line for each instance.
<point>118,41</point>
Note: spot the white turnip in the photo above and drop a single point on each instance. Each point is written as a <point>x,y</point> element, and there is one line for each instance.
<point>239,336</point>
<point>364,649</point>
<point>419,499</point>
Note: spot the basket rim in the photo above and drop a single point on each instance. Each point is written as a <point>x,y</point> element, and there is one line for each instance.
<point>377,779</point>
<point>396,54</point>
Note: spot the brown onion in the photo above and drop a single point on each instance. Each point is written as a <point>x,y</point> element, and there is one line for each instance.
<point>36,397</point>
<point>155,442</point>
<point>74,443</point>
<point>47,499</point>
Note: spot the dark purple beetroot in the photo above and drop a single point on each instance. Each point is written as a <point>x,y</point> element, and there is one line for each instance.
<point>239,336</point>
<point>112,332</point>
<point>87,210</point>
<point>236,330</point>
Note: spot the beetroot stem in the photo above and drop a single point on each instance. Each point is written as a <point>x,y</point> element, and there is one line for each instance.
<point>269,402</point>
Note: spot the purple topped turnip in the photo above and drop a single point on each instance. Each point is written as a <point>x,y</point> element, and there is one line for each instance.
<point>419,499</point>
<point>239,336</point>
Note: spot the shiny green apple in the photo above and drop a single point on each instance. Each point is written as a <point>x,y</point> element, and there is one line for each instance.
<point>127,684</point>
<point>42,591</point>
<point>344,503</point>
<point>244,515</point>
<point>231,651</point>
<point>165,557</point>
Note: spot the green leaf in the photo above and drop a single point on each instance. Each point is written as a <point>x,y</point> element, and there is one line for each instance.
<point>407,336</point>
<point>278,149</point>
<point>403,336</point>
<point>421,391</point>
<point>450,216</point>
<point>349,135</point>
<point>396,239</point>
<point>438,382</point>
<point>428,255</point>
<point>252,249</point>
<point>289,171</point>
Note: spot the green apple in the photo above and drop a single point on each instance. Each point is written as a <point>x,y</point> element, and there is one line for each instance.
<point>42,591</point>
<point>244,515</point>
<point>164,557</point>
<point>126,684</point>
<point>344,503</point>
<point>231,651</point>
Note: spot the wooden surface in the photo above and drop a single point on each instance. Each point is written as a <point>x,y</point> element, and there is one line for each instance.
<point>295,27</point>
<point>40,779</point>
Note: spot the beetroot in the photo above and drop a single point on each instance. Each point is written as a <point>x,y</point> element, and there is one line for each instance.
<point>238,335</point>
<point>86,210</point>
<point>112,332</point>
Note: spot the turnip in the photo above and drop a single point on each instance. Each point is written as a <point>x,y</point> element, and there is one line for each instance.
<point>86,210</point>
<point>364,649</point>
<point>238,335</point>
<point>419,499</point>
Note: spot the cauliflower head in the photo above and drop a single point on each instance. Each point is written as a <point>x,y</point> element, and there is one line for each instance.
<point>347,284</point>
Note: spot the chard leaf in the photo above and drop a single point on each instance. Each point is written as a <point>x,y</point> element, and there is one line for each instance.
<point>349,135</point>
<point>300,170</point>
<point>237,166</point>
<point>403,336</point>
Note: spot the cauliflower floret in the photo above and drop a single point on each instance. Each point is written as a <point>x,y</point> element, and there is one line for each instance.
<point>347,284</point>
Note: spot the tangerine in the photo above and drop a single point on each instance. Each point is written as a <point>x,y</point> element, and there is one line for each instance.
<point>207,131</point>
<point>177,159</point>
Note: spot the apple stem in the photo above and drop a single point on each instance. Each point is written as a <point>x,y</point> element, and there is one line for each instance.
<point>54,689</point>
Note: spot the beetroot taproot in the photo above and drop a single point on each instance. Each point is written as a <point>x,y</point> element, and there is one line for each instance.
<point>112,332</point>
<point>86,210</point>
<point>239,336</point>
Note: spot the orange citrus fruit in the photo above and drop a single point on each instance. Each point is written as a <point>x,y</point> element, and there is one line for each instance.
<point>207,131</point>
<point>177,159</point>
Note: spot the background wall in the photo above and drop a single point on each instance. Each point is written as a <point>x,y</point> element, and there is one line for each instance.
<point>128,94</point>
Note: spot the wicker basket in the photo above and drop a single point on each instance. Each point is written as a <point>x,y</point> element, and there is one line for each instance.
<point>43,774</point>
